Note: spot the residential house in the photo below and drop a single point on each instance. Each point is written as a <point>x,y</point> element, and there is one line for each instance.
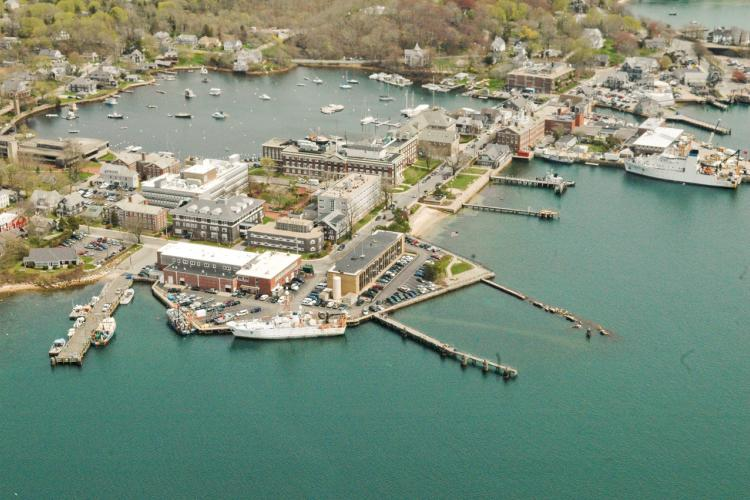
<point>223,221</point>
<point>494,155</point>
<point>71,204</point>
<point>118,175</point>
<point>15,87</point>
<point>187,40</point>
<point>52,54</point>
<point>468,123</point>
<point>245,58</point>
<point>45,201</point>
<point>416,57</point>
<point>594,37</point>
<point>135,216</point>
<point>51,258</point>
<point>498,45</point>
<point>10,221</point>
<point>232,45</point>
<point>105,76</point>
<point>617,80</point>
<point>136,58</point>
<point>209,42</point>
<point>638,68</point>
<point>656,43</point>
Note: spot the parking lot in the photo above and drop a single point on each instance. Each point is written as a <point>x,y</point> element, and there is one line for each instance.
<point>93,249</point>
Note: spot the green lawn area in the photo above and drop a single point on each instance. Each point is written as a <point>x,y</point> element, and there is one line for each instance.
<point>422,162</point>
<point>258,171</point>
<point>465,138</point>
<point>474,170</point>
<point>460,267</point>
<point>597,147</point>
<point>414,174</point>
<point>107,157</point>
<point>615,58</point>
<point>367,218</point>
<point>461,181</point>
<point>193,58</point>
<point>88,263</point>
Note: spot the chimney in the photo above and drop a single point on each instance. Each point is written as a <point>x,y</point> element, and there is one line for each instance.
<point>143,156</point>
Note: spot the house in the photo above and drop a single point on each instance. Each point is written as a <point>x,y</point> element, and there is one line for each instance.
<point>5,197</point>
<point>209,42</point>
<point>71,204</point>
<point>694,77</point>
<point>566,142</point>
<point>493,155</point>
<point>82,85</point>
<point>222,221</point>
<point>62,36</point>
<point>232,45</point>
<point>245,58</point>
<point>136,58</point>
<point>52,54</point>
<point>436,132</point>
<point>10,221</point>
<point>639,67</point>
<point>45,201</point>
<point>656,43</point>
<point>15,88</point>
<point>416,57</point>
<point>51,258</point>
<point>187,40</point>
<point>617,80</point>
<point>498,45</point>
<point>594,37</point>
<point>105,76</point>
<point>118,175</point>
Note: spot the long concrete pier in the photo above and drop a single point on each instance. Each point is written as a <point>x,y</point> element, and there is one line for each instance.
<point>539,183</point>
<point>446,350</point>
<point>76,347</point>
<point>545,214</point>
<point>712,127</point>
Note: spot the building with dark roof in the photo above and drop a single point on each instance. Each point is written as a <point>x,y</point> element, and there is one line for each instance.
<point>223,221</point>
<point>49,258</point>
<point>366,261</point>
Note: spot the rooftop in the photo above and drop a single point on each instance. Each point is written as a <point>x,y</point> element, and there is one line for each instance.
<point>206,253</point>
<point>129,206</point>
<point>660,137</point>
<point>228,209</point>
<point>50,254</point>
<point>362,254</point>
<point>269,264</point>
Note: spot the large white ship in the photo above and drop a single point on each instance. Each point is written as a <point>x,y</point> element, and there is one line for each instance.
<point>687,169</point>
<point>288,326</point>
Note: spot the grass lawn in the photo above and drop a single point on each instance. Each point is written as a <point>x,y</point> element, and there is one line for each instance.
<point>460,267</point>
<point>422,162</point>
<point>414,174</point>
<point>107,157</point>
<point>474,170</point>
<point>597,147</point>
<point>461,181</point>
<point>258,171</point>
<point>465,138</point>
<point>367,218</point>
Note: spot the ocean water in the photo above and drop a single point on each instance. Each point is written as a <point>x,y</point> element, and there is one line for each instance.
<point>710,13</point>
<point>658,410</point>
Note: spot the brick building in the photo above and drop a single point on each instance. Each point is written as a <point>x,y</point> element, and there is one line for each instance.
<point>545,79</point>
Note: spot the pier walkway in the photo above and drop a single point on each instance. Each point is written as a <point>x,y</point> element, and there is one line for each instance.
<point>446,350</point>
<point>539,183</point>
<point>76,347</point>
<point>545,214</point>
<point>713,127</point>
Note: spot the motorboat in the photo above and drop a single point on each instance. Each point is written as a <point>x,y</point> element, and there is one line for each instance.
<point>215,91</point>
<point>110,101</point>
<point>57,347</point>
<point>189,94</point>
<point>204,71</point>
<point>183,115</point>
<point>317,81</point>
<point>264,97</point>
<point>219,115</point>
<point>115,116</point>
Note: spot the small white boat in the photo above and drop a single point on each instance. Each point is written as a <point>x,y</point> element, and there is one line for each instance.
<point>151,106</point>
<point>189,94</point>
<point>71,332</point>
<point>264,97</point>
<point>127,296</point>
<point>71,115</point>
<point>214,91</point>
<point>367,120</point>
<point>345,86</point>
<point>161,92</point>
<point>57,347</point>
<point>51,115</point>
<point>300,84</point>
<point>386,98</point>
<point>133,149</point>
<point>74,131</point>
<point>110,101</point>
<point>219,115</point>
<point>317,81</point>
<point>79,322</point>
<point>115,116</point>
<point>204,71</point>
<point>353,81</point>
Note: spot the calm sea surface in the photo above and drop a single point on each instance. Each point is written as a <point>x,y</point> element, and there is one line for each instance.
<point>709,13</point>
<point>660,410</point>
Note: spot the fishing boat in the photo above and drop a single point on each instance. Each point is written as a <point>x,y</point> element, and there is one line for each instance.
<point>189,94</point>
<point>264,97</point>
<point>177,320</point>
<point>57,347</point>
<point>367,120</point>
<point>127,296</point>
<point>219,115</point>
<point>161,92</point>
<point>79,322</point>
<point>79,311</point>
<point>74,131</point>
<point>183,115</point>
<point>104,332</point>
<point>214,91</point>
<point>115,116</point>
<point>71,115</point>
<point>288,326</point>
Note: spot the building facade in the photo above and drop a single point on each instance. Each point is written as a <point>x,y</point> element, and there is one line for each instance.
<point>521,136</point>
<point>145,217</point>
<point>359,269</point>
<point>354,196</point>
<point>294,235</point>
<point>220,220</point>
<point>545,79</point>
<point>118,175</point>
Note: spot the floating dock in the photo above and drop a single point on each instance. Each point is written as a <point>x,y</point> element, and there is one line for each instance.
<point>76,347</point>
<point>544,214</point>
<point>446,350</point>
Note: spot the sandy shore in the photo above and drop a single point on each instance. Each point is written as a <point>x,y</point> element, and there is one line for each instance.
<point>424,219</point>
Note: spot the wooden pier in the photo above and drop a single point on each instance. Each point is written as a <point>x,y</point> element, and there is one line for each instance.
<point>544,214</point>
<point>712,127</point>
<point>538,183</point>
<point>446,350</point>
<point>76,347</point>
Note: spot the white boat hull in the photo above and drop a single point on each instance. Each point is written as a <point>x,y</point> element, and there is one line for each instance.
<point>302,332</point>
<point>681,176</point>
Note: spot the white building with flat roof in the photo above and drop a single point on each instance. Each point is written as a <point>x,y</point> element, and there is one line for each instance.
<point>353,196</point>
<point>208,180</point>
<point>656,140</point>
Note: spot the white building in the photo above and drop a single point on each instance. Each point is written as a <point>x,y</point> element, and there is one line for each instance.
<point>349,200</point>
<point>118,174</point>
<point>4,198</point>
<point>657,140</point>
<point>498,45</point>
<point>209,180</point>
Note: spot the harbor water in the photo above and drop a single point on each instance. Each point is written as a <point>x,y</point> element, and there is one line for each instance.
<point>657,410</point>
<point>709,13</point>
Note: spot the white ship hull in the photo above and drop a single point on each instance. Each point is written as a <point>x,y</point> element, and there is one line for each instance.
<point>687,175</point>
<point>301,332</point>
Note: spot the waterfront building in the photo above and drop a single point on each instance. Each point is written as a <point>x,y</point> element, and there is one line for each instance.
<point>58,152</point>
<point>208,267</point>
<point>436,133</point>
<point>638,68</point>
<point>656,141</point>
<point>494,155</point>
<point>286,233</point>
<point>82,85</point>
<point>543,78</point>
<point>148,165</point>
<point>353,197</point>
<point>51,258</point>
<point>209,180</point>
<point>522,135</point>
<point>416,57</point>
<point>118,175</point>
<point>137,216</point>
<point>366,261</point>
<point>224,220</point>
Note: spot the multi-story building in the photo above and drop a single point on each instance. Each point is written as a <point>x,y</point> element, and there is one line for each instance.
<point>435,131</point>
<point>295,235</point>
<point>138,216</point>
<point>222,220</point>
<point>323,158</point>
<point>209,267</point>
<point>353,197</point>
<point>58,152</point>
<point>544,78</point>
<point>155,164</point>
<point>361,267</point>
<point>208,180</point>
<point>119,175</point>
<point>4,198</point>
<point>522,135</point>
